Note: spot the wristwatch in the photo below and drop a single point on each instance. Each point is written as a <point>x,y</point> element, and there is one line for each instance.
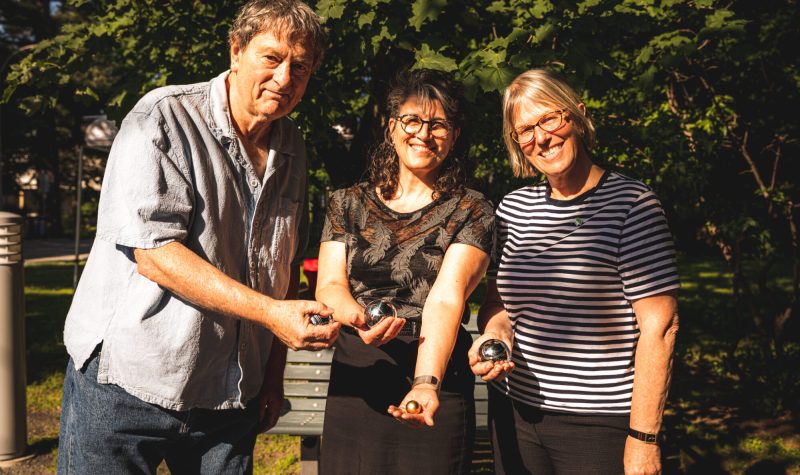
<point>645,437</point>
<point>426,379</point>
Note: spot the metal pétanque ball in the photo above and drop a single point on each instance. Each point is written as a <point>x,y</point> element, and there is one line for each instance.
<point>413,407</point>
<point>377,310</point>
<point>320,320</point>
<point>493,350</point>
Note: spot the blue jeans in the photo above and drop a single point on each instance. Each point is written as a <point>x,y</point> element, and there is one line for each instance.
<point>106,430</point>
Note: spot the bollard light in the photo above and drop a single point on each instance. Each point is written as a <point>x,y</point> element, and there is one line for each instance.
<point>13,425</point>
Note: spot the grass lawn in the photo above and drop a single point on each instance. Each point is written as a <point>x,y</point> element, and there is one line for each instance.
<point>713,422</point>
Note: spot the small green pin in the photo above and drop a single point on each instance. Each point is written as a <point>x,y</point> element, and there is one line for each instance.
<point>578,221</point>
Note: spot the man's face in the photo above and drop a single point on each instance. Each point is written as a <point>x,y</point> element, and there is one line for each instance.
<point>270,75</point>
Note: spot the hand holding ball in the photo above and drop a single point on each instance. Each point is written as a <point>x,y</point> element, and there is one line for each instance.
<point>378,310</point>
<point>494,350</point>
<point>320,320</point>
<point>413,407</point>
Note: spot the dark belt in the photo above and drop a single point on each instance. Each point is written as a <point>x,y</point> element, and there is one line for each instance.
<point>411,328</point>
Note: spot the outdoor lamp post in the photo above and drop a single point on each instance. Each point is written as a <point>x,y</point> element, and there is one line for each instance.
<point>98,135</point>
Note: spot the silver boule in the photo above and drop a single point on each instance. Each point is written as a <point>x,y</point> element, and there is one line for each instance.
<point>494,350</point>
<point>320,320</point>
<point>377,310</point>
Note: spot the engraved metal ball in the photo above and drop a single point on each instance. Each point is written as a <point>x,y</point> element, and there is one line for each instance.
<point>378,310</point>
<point>413,407</point>
<point>320,320</point>
<point>493,350</point>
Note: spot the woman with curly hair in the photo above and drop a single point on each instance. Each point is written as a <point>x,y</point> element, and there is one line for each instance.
<point>414,235</point>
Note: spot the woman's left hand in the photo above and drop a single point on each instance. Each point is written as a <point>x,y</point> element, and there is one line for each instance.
<point>428,400</point>
<point>384,332</point>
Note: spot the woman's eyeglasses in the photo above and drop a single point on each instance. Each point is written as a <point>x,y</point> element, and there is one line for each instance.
<point>412,124</point>
<point>549,122</point>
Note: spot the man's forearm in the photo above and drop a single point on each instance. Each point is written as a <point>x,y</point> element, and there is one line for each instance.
<point>184,273</point>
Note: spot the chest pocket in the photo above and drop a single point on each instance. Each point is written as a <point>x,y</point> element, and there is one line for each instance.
<point>285,238</point>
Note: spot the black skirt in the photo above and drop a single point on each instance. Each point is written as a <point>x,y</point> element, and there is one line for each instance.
<point>359,436</point>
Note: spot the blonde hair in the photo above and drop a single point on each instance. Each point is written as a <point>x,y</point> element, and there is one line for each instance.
<point>539,86</point>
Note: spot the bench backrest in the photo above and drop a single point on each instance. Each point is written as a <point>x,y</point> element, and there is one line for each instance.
<point>306,388</point>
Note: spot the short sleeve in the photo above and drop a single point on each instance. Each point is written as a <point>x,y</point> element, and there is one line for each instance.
<point>500,236</point>
<point>646,252</point>
<point>147,198</point>
<point>334,228</point>
<point>478,227</point>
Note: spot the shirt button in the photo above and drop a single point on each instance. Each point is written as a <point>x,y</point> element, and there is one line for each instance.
<point>254,184</point>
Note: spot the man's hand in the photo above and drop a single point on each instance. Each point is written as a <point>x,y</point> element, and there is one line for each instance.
<point>270,402</point>
<point>290,321</point>
<point>488,370</point>
<point>641,458</point>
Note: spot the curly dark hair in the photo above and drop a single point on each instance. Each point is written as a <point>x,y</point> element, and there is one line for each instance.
<point>425,85</point>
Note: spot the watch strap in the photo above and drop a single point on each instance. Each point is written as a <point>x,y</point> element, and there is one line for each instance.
<point>645,437</point>
<point>425,379</point>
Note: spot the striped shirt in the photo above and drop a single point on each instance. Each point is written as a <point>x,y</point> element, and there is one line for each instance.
<point>567,272</point>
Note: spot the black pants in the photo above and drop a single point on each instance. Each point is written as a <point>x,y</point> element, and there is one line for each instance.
<point>528,440</point>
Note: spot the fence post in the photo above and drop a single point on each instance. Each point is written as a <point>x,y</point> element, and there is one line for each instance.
<point>13,423</point>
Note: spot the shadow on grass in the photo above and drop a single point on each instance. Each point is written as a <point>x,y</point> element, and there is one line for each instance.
<point>43,446</point>
<point>48,293</point>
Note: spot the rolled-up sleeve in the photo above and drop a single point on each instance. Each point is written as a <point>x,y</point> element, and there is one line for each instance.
<point>147,199</point>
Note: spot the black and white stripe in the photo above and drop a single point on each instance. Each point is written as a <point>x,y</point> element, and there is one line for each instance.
<point>567,273</point>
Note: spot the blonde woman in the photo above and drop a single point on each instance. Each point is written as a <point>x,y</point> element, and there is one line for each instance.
<point>584,290</point>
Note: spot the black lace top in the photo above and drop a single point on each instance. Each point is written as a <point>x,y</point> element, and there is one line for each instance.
<point>398,255</point>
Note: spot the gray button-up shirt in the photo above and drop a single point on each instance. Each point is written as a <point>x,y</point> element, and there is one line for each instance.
<point>177,172</point>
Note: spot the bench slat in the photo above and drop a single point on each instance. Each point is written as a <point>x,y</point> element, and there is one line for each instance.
<point>315,390</point>
<point>299,423</point>
<point>302,356</point>
<point>307,404</point>
<point>307,372</point>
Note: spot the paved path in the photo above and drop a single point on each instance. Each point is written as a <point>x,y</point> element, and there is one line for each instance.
<point>55,249</point>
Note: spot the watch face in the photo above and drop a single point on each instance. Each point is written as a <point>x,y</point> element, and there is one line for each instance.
<point>650,438</point>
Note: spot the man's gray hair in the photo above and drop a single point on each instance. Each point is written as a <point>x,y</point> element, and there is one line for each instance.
<point>291,20</point>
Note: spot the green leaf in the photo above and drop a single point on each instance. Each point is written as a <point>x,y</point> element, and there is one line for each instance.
<point>718,18</point>
<point>331,9</point>
<point>427,58</point>
<point>425,10</point>
<point>644,55</point>
<point>495,77</point>
<point>366,19</point>
<point>87,91</point>
<point>383,35</point>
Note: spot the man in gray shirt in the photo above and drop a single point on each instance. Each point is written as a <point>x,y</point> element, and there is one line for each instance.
<point>178,331</point>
